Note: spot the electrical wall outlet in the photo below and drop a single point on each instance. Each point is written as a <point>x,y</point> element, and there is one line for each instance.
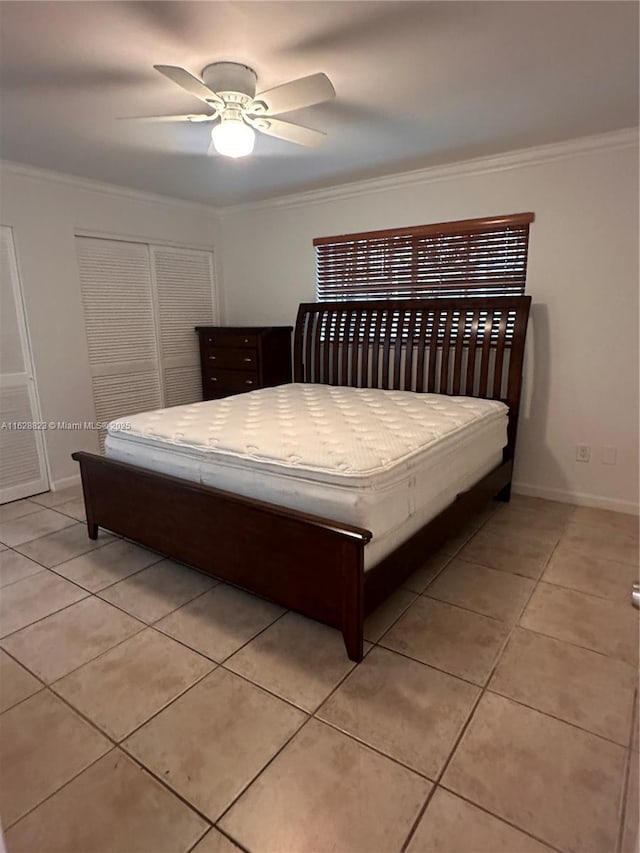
<point>609,455</point>
<point>583,453</point>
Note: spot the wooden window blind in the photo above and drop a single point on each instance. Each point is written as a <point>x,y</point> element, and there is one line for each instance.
<point>472,257</point>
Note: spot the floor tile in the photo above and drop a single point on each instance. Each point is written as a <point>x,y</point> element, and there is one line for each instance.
<point>487,591</point>
<point>16,683</point>
<point>106,566</point>
<point>631,822</point>
<point>26,601</point>
<point>451,825</point>
<point>51,499</point>
<point>63,545</point>
<point>422,577</point>
<point>574,684</point>
<point>594,575</point>
<point>515,551</point>
<point>296,658</point>
<point>557,782</point>
<point>519,518</point>
<point>17,509</point>
<point>112,806</point>
<point>541,505</point>
<point>521,552</point>
<point>154,592</point>
<point>14,567</point>
<point>603,626</point>
<point>218,623</point>
<point>43,744</point>
<point>74,508</point>
<point>596,542</point>
<point>215,842</point>
<point>326,792</point>
<point>403,708</point>
<point>614,521</point>
<point>449,638</point>
<point>32,526</point>
<point>64,641</point>
<point>124,687</point>
<point>210,743</point>
<point>383,617</point>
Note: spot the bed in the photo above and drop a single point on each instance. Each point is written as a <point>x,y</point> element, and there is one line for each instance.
<point>325,494</point>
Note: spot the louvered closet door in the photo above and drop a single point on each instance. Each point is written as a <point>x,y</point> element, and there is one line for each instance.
<point>117,296</point>
<point>22,460</point>
<point>185,299</point>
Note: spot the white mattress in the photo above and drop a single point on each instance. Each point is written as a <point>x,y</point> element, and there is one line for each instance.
<point>388,461</point>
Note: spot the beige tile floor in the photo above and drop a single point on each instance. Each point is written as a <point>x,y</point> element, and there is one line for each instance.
<point>145,708</point>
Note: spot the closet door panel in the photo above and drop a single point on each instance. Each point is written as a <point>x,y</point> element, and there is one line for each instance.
<point>185,299</point>
<point>118,302</point>
<point>22,458</point>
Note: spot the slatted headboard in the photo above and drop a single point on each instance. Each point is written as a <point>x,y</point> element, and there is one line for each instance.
<point>470,346</point>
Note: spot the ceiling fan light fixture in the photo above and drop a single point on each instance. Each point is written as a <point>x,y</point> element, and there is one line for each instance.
<point>233,138</point>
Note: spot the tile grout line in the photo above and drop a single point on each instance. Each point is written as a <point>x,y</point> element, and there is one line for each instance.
<point>467,723</point>
<point>312,715</point>
<point>622,806</point>
<point>627,776</point>
<point>255,778</point>
<point>504,820</point>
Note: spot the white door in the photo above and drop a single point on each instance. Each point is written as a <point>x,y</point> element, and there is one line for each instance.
<point>118,311</point>
<point>141,305</point>
<point>183,280</point>
<point>23,471</point>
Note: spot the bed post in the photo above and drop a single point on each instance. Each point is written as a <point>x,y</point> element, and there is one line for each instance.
<point>92,527</point>
<point>352,617</point>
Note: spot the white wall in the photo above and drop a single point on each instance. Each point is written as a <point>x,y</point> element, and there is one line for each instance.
<point>45,211</point>
<point>582,361</point>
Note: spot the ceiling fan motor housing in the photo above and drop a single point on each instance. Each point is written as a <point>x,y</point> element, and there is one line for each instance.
<point>234,82</point>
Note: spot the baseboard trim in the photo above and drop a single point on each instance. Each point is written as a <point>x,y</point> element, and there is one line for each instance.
<point>65,483</point>
<point>577,498</point>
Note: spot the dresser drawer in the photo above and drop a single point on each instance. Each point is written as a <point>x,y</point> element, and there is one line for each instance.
<point>229,339</point>
<point>232,357</point>
<point>231,380</point>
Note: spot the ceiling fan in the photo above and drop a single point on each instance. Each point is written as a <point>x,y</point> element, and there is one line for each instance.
<point>229,91</point>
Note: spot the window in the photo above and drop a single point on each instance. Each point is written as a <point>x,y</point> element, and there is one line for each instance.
<point>473,257</point>
<point>141,304</point>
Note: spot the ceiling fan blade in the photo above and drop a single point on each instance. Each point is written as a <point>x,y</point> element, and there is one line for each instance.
<point>297,94</point>
<point>190,83</point>
<point>192,118</point>
<point>288,131</point>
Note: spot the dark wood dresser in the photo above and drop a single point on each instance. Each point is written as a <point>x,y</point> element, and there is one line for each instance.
<point>235,359</point>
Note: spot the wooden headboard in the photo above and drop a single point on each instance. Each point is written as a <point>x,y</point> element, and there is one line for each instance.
<point>470,346</point>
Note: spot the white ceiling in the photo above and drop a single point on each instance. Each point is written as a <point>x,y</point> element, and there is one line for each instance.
<point>418,84</point>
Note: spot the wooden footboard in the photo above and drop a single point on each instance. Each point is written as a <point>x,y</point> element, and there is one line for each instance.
<point>309,564</point>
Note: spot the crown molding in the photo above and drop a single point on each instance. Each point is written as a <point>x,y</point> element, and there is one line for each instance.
<point>24,170</point>
<point>538,155</point>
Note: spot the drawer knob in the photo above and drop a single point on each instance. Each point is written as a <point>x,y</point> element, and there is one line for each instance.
<point>246,340</point>
<point>212,358</point>
<point>214,378</point>
<point>248,360</point>
<point>248,381</point>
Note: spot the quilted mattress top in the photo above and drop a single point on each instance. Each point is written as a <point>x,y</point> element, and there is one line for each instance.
<point>356,431</point>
